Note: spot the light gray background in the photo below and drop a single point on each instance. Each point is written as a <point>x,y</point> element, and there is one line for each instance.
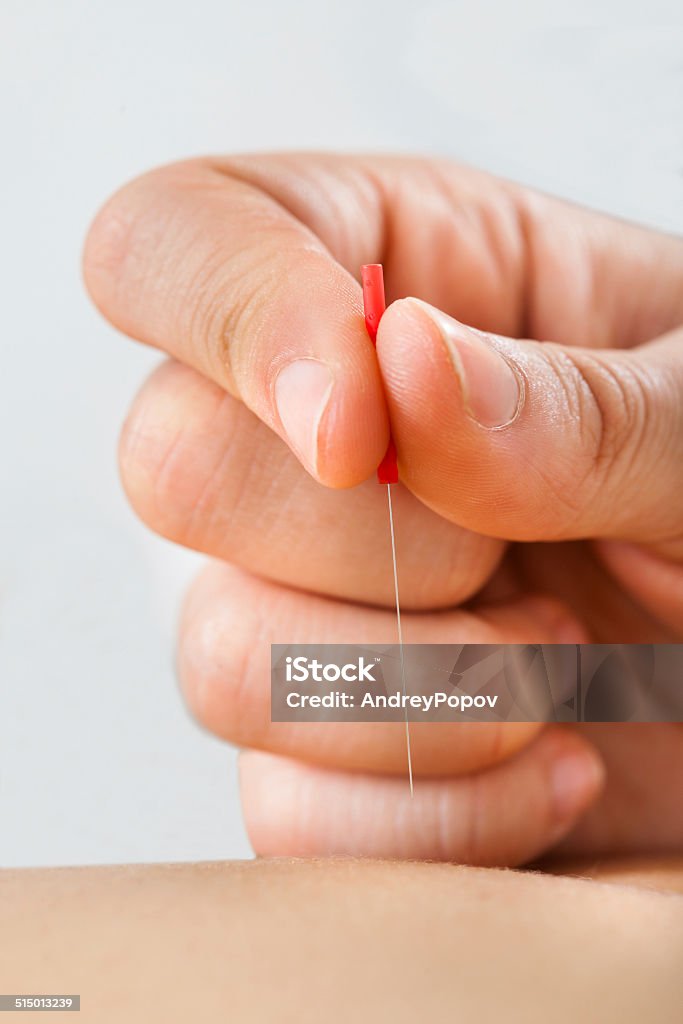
<point>98,760</point>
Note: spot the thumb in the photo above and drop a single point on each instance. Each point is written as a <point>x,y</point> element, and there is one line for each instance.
<point>535,441</point>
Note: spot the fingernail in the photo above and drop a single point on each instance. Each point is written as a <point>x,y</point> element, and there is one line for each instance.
<point>575,777</point>
<point>492,391</point>
<point>302,392</point>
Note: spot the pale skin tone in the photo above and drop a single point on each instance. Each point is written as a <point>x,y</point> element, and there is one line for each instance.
<point>344,940</point>
<point>540,502</point>
<point>541,479</point>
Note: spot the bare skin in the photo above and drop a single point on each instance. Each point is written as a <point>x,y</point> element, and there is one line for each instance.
<point>540,464</point>
<point>240,269</point>
<point>264,942</point>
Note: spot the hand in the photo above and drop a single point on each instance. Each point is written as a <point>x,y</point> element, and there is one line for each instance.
<point>242,270</point>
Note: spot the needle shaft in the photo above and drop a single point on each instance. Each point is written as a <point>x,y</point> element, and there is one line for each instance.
<point>400,637</point>
<point>372,277</point>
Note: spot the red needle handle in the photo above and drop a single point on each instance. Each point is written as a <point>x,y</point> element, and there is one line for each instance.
<point>373,306</point>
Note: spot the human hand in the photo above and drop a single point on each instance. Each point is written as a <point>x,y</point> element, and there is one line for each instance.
<point>242,268</point>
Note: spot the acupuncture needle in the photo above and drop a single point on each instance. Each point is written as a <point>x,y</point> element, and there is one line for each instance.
<point>372,277</point>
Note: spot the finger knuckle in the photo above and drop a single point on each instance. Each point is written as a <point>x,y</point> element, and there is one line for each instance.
<point>609,402</point>
<point>200,659</point>
<point>106,247</point>
<point>221,678</point>
<point>167,471</point>
<point>132,224</point>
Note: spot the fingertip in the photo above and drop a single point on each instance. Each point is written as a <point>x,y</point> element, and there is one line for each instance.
<point>353,428</point>
<point>412,358</point>
<point>415,374</point>
<point>443,453</point>
<point>327,395</point>
<point>576,778</point>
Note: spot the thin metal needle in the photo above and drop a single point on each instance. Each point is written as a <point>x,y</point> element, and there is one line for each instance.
<point>400,638</point>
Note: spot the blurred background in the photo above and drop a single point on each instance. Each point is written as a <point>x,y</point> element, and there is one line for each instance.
<point>99,762</point>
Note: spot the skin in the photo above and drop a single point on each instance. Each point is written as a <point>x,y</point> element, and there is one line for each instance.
<point>343,940</point>
<point>562,523</point>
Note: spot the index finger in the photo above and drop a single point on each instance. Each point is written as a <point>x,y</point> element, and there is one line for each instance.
<point>221,275</point>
